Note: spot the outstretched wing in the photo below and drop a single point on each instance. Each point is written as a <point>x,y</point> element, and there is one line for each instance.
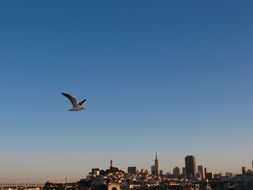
<point>81,103</point>
<point>72,99</point>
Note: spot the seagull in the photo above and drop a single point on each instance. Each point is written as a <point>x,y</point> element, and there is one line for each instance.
<point>76,106</point>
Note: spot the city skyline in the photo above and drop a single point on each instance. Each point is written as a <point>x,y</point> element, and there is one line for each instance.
<point>169,77</point>
<point>111,164</point>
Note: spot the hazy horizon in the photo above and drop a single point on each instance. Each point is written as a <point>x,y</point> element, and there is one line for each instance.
<point>159,76</point>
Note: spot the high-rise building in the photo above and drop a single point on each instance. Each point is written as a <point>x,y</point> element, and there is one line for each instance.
<point>153,170</point>
<point>176,171</point>
<point>190,166</point>
<point>201,172</point>
<point>183,172</point>
<point>132,170</point>
<point>244,170</point>
<point>111,164</point>
<point>156,165</point>
<point>209,175</point>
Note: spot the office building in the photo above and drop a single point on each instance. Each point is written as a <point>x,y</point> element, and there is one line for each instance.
<point>209,175</point>
<point>190,167</point>
<point>153,170</point>
<point>183,172</point>
<point>201,172</point>
<point>132,170</point>
<point>176,171</point>
<point>244,170</point>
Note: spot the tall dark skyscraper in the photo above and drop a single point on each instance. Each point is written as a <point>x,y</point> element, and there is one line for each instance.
<point>190,166</point>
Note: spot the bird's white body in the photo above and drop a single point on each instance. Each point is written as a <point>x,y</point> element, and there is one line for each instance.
<point>76,106</point>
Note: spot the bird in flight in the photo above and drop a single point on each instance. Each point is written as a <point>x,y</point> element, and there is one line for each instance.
<point>76,106</point>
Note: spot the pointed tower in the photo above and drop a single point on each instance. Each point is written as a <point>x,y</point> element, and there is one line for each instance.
<point>156,165</point>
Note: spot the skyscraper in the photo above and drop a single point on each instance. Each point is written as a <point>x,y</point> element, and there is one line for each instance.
<point>153,171</point>
<point>201,172</point>
<point>190,166</point>
<point>156,165</point>
<point>183,172</point>
<point>244,170</point>
<point>176,171</point>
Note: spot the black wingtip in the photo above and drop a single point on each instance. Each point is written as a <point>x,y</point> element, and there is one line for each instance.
<point>81,103</point>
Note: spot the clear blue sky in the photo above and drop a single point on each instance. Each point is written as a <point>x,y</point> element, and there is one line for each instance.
<point>173,77</point>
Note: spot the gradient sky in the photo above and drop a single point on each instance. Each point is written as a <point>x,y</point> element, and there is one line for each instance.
<point>173,77</point>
